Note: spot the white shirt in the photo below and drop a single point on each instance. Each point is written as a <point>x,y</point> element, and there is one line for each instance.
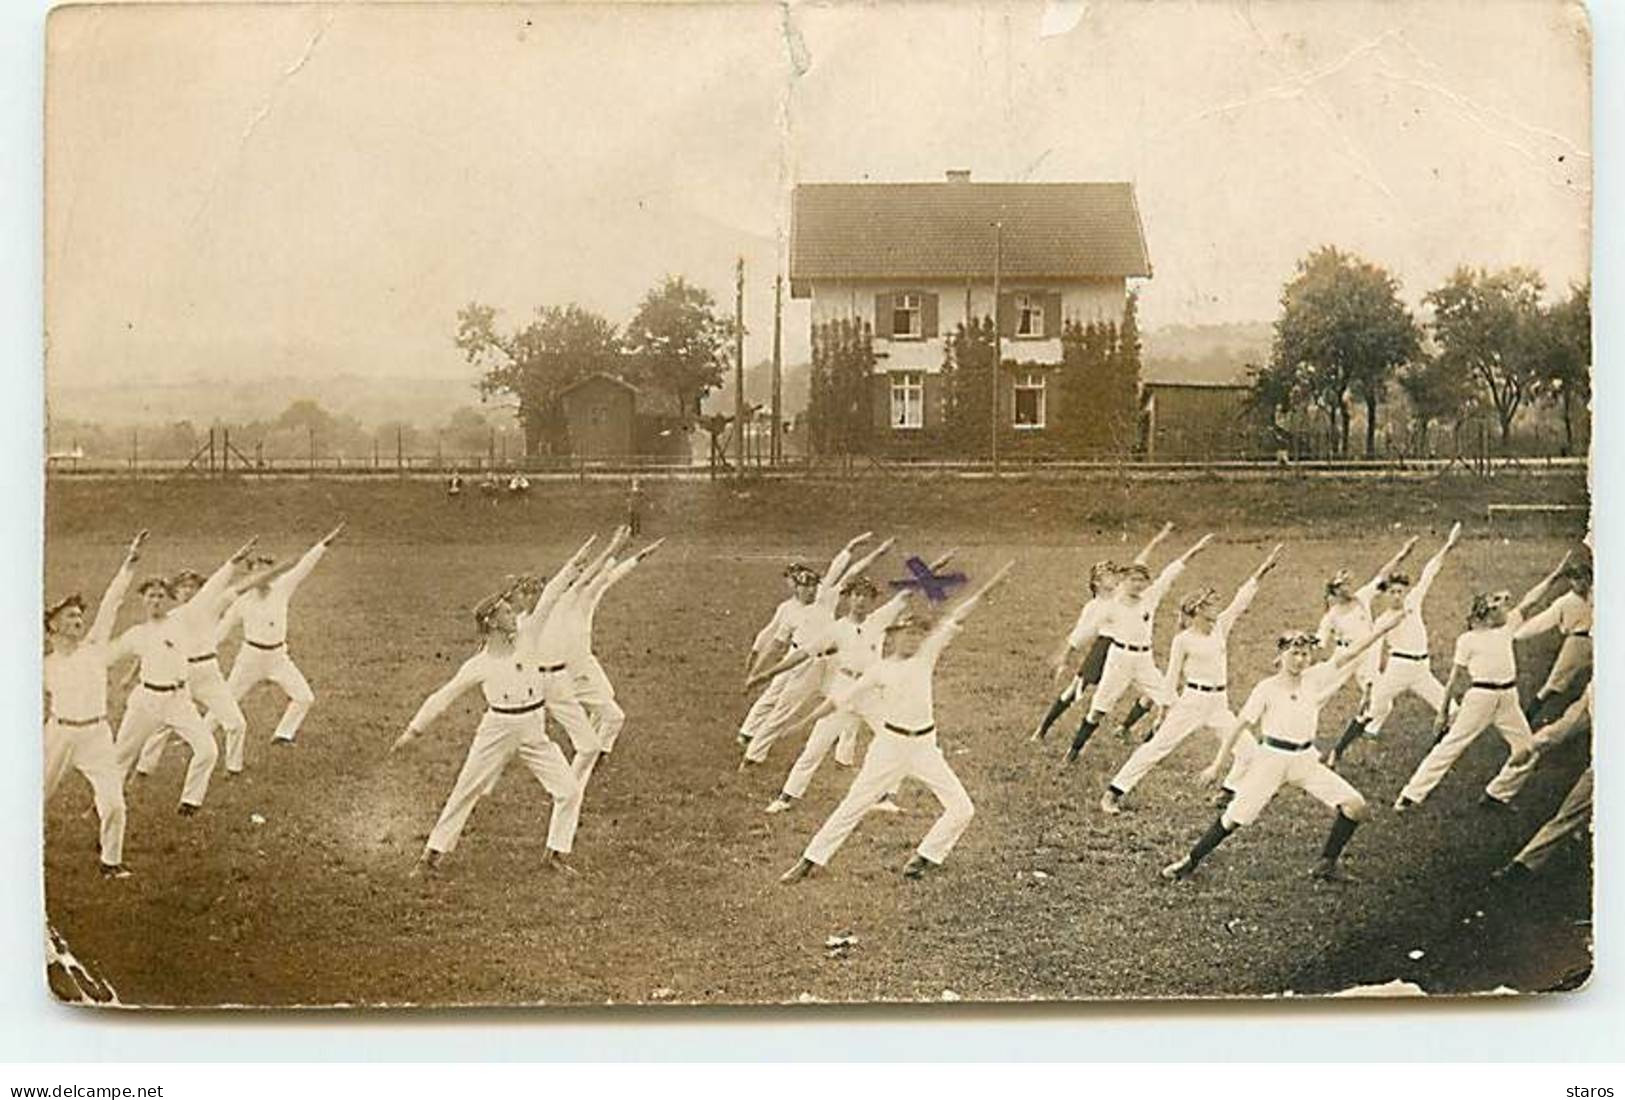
<point>77,681</point>
<point>1411,635</point>
<point>1487,654</point>
<point>1129,621</point>
<point>1570,613</point>
<point>199,617</point>
<point>1291,712</point>
<point>264,615</point>
<point>1203,658</point>
<point>160,644</point>
<point>1089,620</point>
<point>508,681</point>
<point>897,691</point>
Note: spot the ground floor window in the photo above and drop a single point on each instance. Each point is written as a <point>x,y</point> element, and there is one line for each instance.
<point>908,400</point>
<point>1030,399</point>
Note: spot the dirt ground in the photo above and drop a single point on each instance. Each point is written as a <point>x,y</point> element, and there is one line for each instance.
<point>677,897</point>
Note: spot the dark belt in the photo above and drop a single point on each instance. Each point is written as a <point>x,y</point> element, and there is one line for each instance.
<point>551,668</point>
<point>160,687</point>
<point>904,731</point>
<point>526,709</point>
<point>1490,686</point>
<point>1408,656</point>
<point>78,723</point>
<point>1287,746</point>
<point>263,645</point>
<point>1194,686</point>
<point>205,657</point>
<point>1131,648</point>
<point>1579,633</point>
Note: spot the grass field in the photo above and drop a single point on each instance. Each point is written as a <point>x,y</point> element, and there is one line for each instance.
<point>677,898</point>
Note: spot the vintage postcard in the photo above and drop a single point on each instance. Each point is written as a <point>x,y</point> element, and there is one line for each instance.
<point>710,503</point>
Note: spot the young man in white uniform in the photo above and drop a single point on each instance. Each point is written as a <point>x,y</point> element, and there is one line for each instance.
<point>895,697</point>
<point>262,612</point>
<point>1128,619</point>
<point>159,698</point>
<point>1575,812</point>
<point>1570,615</point>
<point>1485,675</point>
<point>805,682</point>
<point>1347,622</point>
<point>1285,710</point>
<point>1199,671</point>
<point>512,725</point>
<point>202,601</point>
<point>1103,579</point>
<point>1409,667</point>
<point>544,640</point>
<point>76,731</point>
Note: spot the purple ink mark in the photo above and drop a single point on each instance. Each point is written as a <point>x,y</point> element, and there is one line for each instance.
<point>935,585</point>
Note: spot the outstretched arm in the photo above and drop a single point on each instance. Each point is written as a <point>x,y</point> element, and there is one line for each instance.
<point>856,568</point>
<point>435,705</point>
<point>101,627</point>
<point>622,568</point>
<point>951,623</point>
<point>302,568</point>
<point>1170,572</point>
<point>1430,571</point>
<point>555,588</point>
<point>1243,599</point>
<point>1537,593</point>
<point>595,568</point>
<point>1393,563</point>
<point>838,564</point>
<point>1345,658</point>
<point>1144,556</point>
<point>792,660</point>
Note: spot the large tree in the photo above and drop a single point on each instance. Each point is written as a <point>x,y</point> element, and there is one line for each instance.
<point>1489,325</point>
<point>1439,391</point>
<point>1566,357</point>
<point>1342,331</point>
<point>680,341</point>
<point>536,363</point>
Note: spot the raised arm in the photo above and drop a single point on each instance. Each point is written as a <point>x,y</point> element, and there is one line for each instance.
<point>302,568</point>
<point>1430,571</point>
<point>1537,593</point>
<point>435,705</point>
<point>1144,556</point>
<point>1170,572</point>
<point>1345,658</point>
<point>595,568</point>
<point>1393,563</point>
<point>101,627</point>
<point>1243,599</point>
<point>620,569</point>
<point>856,568</point>
<point>951,623</point>
<point>219,584</point>
<point>555,588</point>
<point>843,557</point>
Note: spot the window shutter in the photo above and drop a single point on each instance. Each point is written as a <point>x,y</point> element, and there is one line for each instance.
<point>883,320</point>
<point>1007,315</point>
<point>928,314</point>
<point>1052,314</point>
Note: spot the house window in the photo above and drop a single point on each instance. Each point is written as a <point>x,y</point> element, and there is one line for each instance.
<point>1030,399</point>
<point>908,400</point>
<point>1029,315</point>
<point>905,316</point>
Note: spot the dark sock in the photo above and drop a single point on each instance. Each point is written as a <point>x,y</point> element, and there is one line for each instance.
<point>1061,705</point>
<point>1138,711</point>
<point>1342,829</point>
<point>1351,734</point>
<point>1086,730</point>
<point>1532,711</point>
<point>1211,839</point>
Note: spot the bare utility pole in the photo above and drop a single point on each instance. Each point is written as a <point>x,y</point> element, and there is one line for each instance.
<point>998,335</point>
<point>739,366</point>
<point>776,454</point>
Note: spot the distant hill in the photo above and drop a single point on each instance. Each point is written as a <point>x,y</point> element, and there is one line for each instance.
<point>797,384</point>
<point>1204,353</point>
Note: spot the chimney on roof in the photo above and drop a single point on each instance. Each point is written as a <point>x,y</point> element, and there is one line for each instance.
<point>959,175</point>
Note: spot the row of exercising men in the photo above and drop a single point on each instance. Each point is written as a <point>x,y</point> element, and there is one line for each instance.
<point>176,668</point>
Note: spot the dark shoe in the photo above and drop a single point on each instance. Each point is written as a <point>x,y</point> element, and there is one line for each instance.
<point>1488,801</point>
<point>917,866</point>
<point>1111,803</point>
<point>282,742</point>
<point>1222,798</point>
<point>1179,870</point>
<point>115,870</point>
<point>1510,874</point>
<point>554,861</point>
<point>1329,870</point>
<point>187,809</point>
<point>1401,804</point>
<point>427,864</point>
<point>802,869</point>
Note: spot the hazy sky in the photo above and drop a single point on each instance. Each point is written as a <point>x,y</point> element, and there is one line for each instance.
<point>315,189</point>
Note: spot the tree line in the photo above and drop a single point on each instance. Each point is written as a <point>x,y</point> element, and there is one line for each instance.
<point>1490,346</point>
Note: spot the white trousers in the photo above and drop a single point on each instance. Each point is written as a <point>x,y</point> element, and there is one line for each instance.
<point>1571,816</point>
<point>1480,709</point>
<point>209,691</point>
<point>1125,669</point>
<point>597,694</point>
<point>255,666</point>
<point>89,749</point>
<point>1512,777</point>
<point>797,699</point>
<point>1573,659</point>
<point>1193,710</point>
<point>1269,769</point>
<point>1399,676</point>
<point>497,739</point>
<point>149,712</point>
<point>564,707</point>
<point>891,759</point>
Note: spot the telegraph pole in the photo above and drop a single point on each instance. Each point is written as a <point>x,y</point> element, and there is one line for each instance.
<point>739,366</point>
<point>998,336</point>
<point>777,452</point>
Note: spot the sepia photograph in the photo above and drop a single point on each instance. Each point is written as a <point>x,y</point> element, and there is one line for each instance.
<point>816,503</point>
